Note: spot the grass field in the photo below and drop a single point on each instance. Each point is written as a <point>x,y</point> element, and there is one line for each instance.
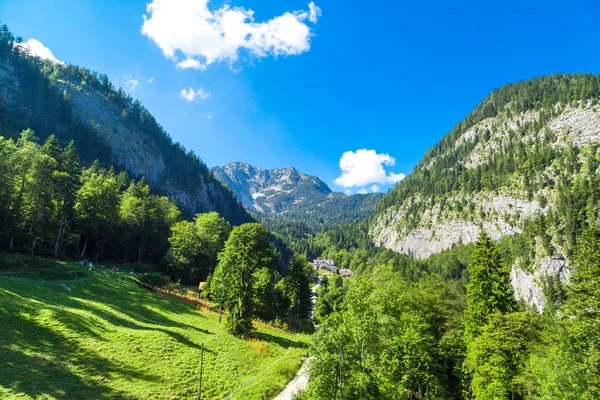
<point>107,338</point>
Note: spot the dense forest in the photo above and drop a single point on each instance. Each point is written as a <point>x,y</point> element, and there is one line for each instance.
<point>448,326</point>
<point>447,174</point>
<point>387,336</point>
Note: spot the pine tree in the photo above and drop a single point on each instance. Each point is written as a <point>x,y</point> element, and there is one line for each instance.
<point>298,284</point>
<point>246,251</point>
<point>583,309</point>
<point>489,290</point>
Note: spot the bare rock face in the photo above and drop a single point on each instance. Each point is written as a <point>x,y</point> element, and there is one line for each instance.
<point>529,286</point>
<point>289,193</point>
<point>499,215</point>
<point>270,190</point>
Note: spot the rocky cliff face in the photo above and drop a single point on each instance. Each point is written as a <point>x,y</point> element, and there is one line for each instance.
<point>524,162</point>
<point>287,192</point>
<point>270,191</point>
<point>529,285</point>
<point>501,211</point>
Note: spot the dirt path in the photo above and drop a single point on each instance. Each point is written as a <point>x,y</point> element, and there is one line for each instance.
<point>296,385</point>
<point>300,381</point>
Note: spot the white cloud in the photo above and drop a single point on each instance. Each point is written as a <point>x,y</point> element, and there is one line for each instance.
<point>192,64</point>
<point>190,94</point>
<point>348,192</point>
<point>363,191</point>
<point>375,188</point>
<point>36,48</point>
<point>208,115</point>
<point>202,36</point>
<point>365,167</point>
<point>150,80</point>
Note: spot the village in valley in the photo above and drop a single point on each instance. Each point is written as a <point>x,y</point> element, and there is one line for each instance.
<point>329,265</point>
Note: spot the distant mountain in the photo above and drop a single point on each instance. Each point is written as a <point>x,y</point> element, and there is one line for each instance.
<point>289,193</point>
<point>106,124</point>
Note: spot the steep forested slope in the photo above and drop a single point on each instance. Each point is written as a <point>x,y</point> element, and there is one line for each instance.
<point>501,165</point>
<point>107,124</point>
<point>524,161</point>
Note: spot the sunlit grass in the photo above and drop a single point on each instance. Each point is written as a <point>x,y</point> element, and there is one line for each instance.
<point>109,338</point>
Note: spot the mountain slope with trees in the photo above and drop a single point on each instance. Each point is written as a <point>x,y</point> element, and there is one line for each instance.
<point>524,161</point>
<point>107,125</point>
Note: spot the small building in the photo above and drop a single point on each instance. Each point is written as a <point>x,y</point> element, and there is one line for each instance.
<point>346,273</point>
<point>323,265</point>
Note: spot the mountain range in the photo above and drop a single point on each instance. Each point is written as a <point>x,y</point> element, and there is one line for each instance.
<point>290,194</point>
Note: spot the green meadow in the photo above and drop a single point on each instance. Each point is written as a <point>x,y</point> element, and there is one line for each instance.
<point>105,337</point>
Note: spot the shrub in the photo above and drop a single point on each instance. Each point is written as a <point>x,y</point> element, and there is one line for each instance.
<point>154,279</point>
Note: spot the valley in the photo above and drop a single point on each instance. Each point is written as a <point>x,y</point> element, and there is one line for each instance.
<point>123,255</point>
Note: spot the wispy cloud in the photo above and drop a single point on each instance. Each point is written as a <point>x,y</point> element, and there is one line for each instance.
<point>194,36</point>
<point>365,167</point>
<point>130,83</point>
<point>190,94</point>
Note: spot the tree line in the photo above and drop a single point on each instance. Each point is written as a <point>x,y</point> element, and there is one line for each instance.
<point>51,206</point>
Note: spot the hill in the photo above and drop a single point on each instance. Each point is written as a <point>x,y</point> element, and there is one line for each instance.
<point>524,161</point>
<point>105,337</point>
<point>107,124</point>
<point>286,193</point>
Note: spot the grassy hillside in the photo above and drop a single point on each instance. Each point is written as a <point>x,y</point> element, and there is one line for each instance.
<point>109,338</point>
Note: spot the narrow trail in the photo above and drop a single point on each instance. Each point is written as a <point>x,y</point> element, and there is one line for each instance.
<point>300,381</point>
<point>296,385</point>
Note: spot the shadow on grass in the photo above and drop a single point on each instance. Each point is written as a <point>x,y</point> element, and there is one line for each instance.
<point>38,361</point>
<point>281,341</point>
<point>121,297</point>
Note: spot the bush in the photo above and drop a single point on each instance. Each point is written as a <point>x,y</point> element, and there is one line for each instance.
<point>154,279</point>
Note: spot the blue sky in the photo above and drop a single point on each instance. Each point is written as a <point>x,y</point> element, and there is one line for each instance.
<point>392,77</point>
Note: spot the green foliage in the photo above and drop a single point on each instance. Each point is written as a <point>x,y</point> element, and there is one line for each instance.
<point>246,257</point>
<point>297,284</point>
<point>153,279</point>
<point>389,339</point>
<point>496,357</point>
<point>489,289</point>
<point>195,246</point>
<point>583,308</point>
<point>51,206</point>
